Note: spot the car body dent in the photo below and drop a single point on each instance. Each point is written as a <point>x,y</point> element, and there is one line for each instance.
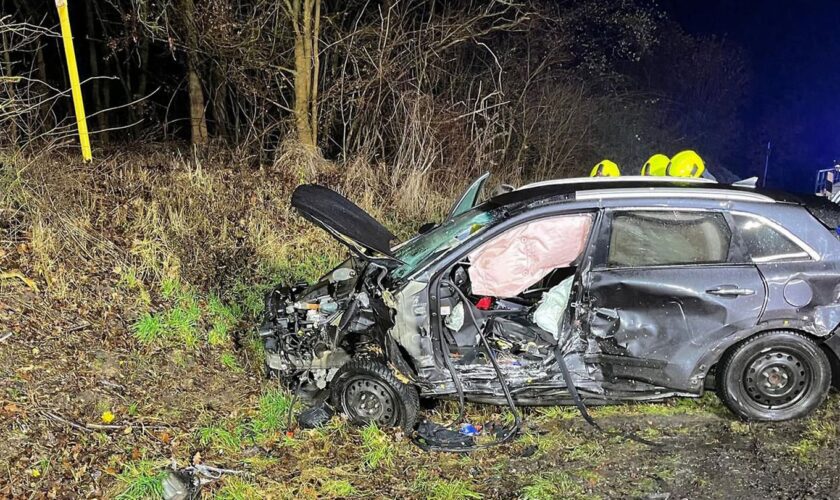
<point>642,335</point>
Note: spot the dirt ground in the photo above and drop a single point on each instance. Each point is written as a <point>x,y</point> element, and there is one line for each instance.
<point>129,295</point>
<point>62,371</point>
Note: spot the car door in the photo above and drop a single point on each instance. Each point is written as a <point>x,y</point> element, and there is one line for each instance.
<point>666,286</point>
<point>469,198</point>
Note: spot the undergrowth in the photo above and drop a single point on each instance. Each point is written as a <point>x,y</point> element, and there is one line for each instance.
<point>263,427</point>
<point>140,480</point>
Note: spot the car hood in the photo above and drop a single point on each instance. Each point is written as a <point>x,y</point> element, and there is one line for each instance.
<point>343,219</point>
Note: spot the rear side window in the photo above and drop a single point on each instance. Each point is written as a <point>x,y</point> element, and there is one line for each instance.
<point>765,243</point>
<point>663,238</point>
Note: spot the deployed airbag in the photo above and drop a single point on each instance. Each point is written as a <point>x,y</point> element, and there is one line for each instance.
<point>511,262</point>
<point>553,306</point>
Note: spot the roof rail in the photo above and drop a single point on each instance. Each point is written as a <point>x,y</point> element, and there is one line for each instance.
<point>619,180</point>
<point>668,192</point>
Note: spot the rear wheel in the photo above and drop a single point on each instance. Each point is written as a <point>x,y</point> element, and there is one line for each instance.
<point>777,375</point>
<point>367,391</point>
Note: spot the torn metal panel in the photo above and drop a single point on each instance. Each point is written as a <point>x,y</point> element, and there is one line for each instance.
<point>411,322</point>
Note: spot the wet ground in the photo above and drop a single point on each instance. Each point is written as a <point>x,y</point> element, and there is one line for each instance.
<point>88,412</point>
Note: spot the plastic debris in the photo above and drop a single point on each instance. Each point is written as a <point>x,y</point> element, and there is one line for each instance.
<point>470,430</point>
<point>315,416</point>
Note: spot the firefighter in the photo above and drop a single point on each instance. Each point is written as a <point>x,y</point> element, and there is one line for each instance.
<point>606,168</point>
<point>686,164</point>
<point>656,165</point>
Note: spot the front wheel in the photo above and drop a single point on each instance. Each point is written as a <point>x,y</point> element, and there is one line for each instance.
<point>777,375</point>
<point>367,391</point>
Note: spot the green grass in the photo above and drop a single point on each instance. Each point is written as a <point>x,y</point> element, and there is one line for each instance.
<point>550,486</point>
<point>378,450</point>
<point>336,488</point>
<point>587,451</point>
<point>272,416</point>
<point>141,481</point>
<point>820,432</point>
<point>149,329</point>
<point>231,436</point>
<point>228,360</point>
<point>129,280</point>
<point>223,319</point>
<point>187,317</point>
<point>220,437</point>
<point>236,488</point>
<point>456,489</point>
<point>170,288</point>
<point>181,324</point>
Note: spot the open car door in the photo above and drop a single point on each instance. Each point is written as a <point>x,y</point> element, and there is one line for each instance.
<point>469,198</point>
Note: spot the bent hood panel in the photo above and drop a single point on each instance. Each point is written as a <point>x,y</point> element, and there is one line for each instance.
<point>342,218</point>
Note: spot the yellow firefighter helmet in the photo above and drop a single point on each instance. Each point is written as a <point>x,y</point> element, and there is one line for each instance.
<point>605,168</point>
<point>686,164</point>
<point>656,165</point>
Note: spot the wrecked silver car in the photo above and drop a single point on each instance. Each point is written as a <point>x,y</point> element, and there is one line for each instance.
<point>592,290</point>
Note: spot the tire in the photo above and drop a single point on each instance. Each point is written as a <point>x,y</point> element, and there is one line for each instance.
<point>367,391</point>
<point>773,376</point>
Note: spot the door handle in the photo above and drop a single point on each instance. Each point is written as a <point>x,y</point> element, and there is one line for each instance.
<point>730,291</point>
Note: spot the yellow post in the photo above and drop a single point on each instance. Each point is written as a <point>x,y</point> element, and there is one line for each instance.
<point>75,86</point>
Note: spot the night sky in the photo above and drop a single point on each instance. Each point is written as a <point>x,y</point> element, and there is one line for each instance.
<point>793,47</point>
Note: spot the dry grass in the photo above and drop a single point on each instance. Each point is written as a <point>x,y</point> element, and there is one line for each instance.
<point>209,220</point>
<point>165,257</point>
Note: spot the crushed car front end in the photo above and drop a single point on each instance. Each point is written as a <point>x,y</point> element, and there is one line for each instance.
<point>310,331</point>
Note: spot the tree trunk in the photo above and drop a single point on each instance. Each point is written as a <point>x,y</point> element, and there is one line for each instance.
<point>305,16</point>
<point>198,122</point>
<point>101,118</point>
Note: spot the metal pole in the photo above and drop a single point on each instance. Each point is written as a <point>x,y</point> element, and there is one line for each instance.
<point>766,165</point>
<point>75,86</point>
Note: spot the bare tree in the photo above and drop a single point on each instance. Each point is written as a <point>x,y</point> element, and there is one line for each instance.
<point>305,18</point>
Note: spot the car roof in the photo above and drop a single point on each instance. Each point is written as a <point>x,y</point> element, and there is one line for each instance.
<point>637,187</point>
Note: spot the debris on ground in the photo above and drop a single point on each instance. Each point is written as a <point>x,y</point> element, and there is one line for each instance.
<point>315,416</point>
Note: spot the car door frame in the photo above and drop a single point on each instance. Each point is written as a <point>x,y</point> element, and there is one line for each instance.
<point>437,270</point>
<point>600,257</point>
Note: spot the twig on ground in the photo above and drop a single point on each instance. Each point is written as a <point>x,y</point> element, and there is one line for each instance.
<point>48,415</point>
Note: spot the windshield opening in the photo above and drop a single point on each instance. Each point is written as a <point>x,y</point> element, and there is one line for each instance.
<point>424,249</point>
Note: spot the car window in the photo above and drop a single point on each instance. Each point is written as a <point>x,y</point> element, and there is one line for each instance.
<point>668,237</point>
<point>418,252</point>
<point>765,243</point>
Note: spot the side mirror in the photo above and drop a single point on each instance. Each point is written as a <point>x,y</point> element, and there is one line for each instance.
<point>425,228</point>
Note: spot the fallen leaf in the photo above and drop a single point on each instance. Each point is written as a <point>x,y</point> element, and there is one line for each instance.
<point>11,409</point>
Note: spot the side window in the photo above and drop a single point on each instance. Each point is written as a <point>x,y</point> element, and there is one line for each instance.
<point>765,243</point>
<point>668,237</point>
